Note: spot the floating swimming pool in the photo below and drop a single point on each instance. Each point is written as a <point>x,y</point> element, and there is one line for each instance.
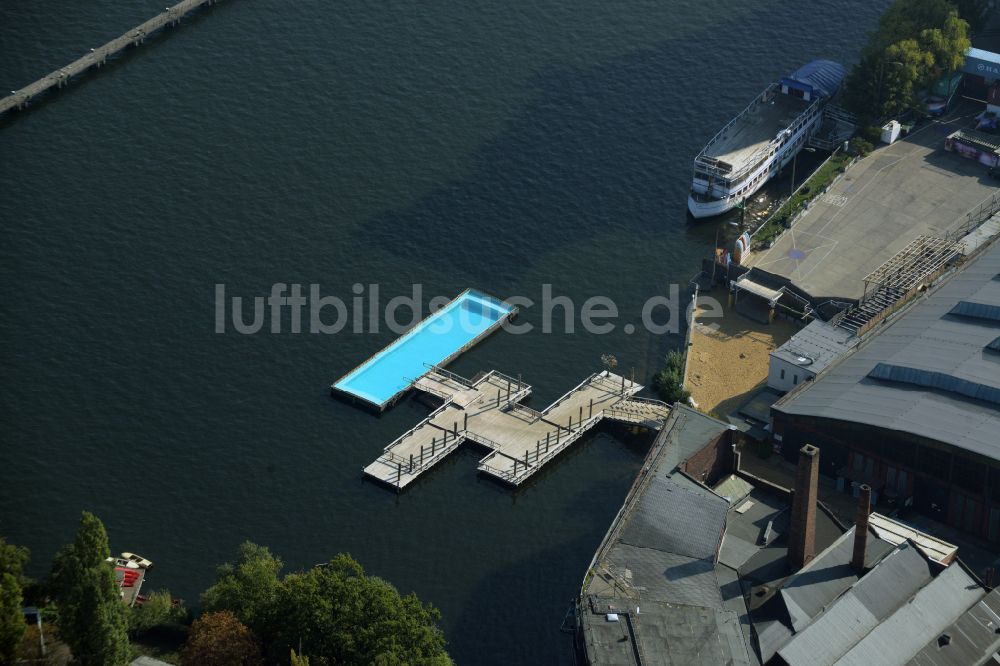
<point>436,340</point>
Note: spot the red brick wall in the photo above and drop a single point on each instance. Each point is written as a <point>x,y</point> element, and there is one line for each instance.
<point>713,461</point>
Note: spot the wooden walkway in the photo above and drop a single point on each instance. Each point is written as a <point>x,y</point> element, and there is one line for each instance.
<point>18,99</point>
<point>520,439</point>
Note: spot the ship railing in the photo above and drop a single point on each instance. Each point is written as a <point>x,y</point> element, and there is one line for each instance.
<point>752,105</point>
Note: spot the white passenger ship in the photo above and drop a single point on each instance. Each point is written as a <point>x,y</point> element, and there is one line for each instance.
<point>761,140</point>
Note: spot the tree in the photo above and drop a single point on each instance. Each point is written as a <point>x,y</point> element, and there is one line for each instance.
<point>298,660</point>
<point>247,587</point>
<point>343,616</point>
<point>670,381</point>
<point>91,614</point>
<point>12,561</point>
<point>158,610</point>
<point>220,639</point>
<point>916,42</point>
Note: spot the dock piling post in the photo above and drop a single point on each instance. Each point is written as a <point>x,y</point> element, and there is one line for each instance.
<point>526,458</point>
<point>591,408</point>
<point>623,384</point>
<point>454,428</point>
<point>498,397</point>
<point>538,449</point>
<point>580,419</point>
<point>465,426</point>
<point>433,445</point>
<point>421,455</point>
<point>399,473</point>
<point>411,463</point>
<point>558,430</point>
<point>570,426</point>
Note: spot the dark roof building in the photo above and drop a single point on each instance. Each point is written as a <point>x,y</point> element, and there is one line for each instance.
<point>914,411</point>
<point>692,574</point>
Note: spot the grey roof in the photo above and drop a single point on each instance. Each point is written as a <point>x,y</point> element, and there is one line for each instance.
<point>685,433</point>
<point>925,337</point>
<point>661,556</point>
<point>668,577</point>
<point>826,577</point>
<point>972,639</point>
<point>931,610</point>
<point>816,346</point>
<point>804,595</point>
<point>675,518</point>
<point>860,609</point>
<point>666,634</point>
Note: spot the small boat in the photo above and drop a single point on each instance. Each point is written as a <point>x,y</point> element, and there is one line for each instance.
<point>138,560</point>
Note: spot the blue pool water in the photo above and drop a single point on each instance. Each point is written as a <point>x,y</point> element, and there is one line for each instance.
<point>433,341</point>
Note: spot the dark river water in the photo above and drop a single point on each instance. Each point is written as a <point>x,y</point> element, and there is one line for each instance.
<point>500,146</point>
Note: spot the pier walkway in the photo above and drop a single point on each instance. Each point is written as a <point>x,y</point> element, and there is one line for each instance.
<point>97,57</point>
<point>520,439</point>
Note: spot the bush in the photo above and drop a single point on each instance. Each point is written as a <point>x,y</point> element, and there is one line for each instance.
<point>669,382</point>
<point>159,610</point>
<point>861,146</point>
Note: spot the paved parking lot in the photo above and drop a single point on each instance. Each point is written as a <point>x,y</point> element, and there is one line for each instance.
<point>882,203</point>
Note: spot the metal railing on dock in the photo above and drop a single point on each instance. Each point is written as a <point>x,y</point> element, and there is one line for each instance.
<point>520,439</point>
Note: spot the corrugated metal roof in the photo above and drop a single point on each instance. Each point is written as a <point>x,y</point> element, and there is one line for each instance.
<point>823,75</point>
<point>816,346</point>
<point>860,609</point>
<point>972,639</point>
<point>931,610</point>
<point>826,577</point>
<point>928,338</point>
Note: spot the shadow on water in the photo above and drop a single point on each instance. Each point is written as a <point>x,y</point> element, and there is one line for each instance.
<point>578,161</point>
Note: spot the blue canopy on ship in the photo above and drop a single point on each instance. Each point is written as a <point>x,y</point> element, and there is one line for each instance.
<point>822,77</point>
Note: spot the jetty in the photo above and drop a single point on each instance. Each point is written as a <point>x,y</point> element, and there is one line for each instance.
<point>18,99</point>
<point>520,440</point>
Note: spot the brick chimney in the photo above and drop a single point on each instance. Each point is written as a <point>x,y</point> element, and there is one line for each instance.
<point>861,528</point>
<point>802,532</point>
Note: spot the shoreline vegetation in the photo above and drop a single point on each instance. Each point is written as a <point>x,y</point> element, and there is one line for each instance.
<point>333,613</point>
<point>814,186</point>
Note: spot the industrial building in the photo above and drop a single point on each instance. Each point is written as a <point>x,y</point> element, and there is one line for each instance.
<point>708,565</point>
<point>914,410</point>
<point>808,353</point>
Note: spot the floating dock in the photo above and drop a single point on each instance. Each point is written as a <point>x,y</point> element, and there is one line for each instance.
<point>18,99</point>
<point>435,341</point>
<point>520,440</point>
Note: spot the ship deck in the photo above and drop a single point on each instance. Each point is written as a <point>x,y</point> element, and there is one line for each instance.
<point>756,129</point>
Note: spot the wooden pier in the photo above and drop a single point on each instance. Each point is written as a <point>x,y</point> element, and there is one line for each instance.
<point>18,99</point>
<point>520,439</point>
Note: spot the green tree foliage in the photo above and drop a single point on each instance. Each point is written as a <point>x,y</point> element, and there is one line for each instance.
<point>246,587</point>
<point>343,616</point>
<point>917,41</point>
<point>12,627</point>
<point>92,617</point>
<point>220,639</point>
<point>159,610</point>
<point>297,660</point>
<point>669,382</point>
<point>340,615</point>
